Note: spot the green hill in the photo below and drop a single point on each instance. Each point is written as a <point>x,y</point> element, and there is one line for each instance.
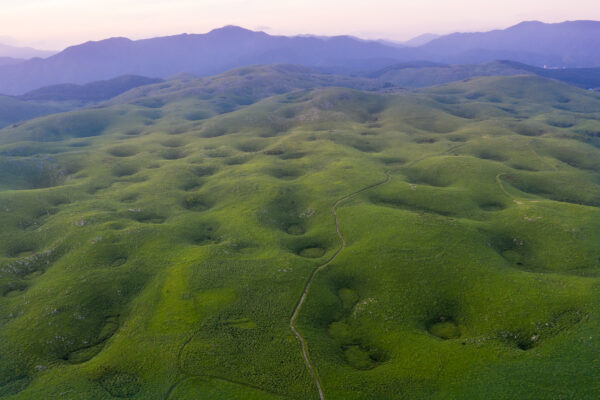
<point>170,244</point>
<point>418,76</point>
<point>587,78</point>
<point>90,92</point>
<point>13,110</point>
<point>239,87</point>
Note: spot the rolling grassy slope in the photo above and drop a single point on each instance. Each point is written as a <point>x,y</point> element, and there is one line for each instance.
<point>13,110</point>
<point>147,254</point>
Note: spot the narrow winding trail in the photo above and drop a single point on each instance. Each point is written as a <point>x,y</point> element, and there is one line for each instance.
<point>303,296</point>
<point>312,276</point>
<point>503,189</point>
<point>301,339</point>
<point>511,196</point>
<point>518,201</point>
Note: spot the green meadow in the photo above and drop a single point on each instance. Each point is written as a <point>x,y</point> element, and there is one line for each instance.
<point>156,246</point>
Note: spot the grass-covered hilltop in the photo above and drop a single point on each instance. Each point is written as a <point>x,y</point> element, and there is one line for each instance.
<point>272,233</point>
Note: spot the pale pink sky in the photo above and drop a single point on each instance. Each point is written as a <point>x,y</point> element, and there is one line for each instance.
<point>55,24</point>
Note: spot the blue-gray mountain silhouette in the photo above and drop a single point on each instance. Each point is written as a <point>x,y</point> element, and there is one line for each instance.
<point>569,44</point>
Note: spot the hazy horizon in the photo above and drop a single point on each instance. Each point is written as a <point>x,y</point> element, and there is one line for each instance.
<point>56,24</point>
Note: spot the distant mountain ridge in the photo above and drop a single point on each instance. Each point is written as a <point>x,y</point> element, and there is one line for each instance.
<point>206,54</point>
<point>10,60</point>
<point>13,110</point>
<point>566,44</point>
<point>94,91</point>
<point>417,75</point>
<point>23,52</point>
<point>421,40</point>
<point>569,44</point>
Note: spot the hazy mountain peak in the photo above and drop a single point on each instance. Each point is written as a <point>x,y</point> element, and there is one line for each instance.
<point>230,30</point>
<point>530,23</point>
